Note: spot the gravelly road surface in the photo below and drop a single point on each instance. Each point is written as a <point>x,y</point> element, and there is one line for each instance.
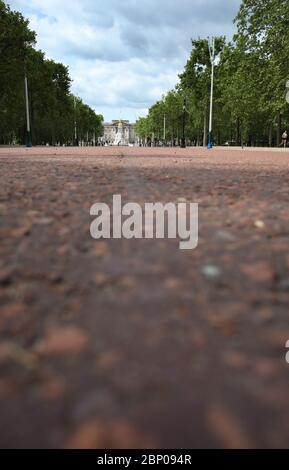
<point>118,343</point>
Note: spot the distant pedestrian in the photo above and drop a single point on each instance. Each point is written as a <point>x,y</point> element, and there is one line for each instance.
<point>284,139</point>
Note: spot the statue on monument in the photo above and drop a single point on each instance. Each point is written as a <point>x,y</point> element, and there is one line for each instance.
<point>120,137</point>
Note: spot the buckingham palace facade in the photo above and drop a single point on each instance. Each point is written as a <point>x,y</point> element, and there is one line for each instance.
<point>119,132</point>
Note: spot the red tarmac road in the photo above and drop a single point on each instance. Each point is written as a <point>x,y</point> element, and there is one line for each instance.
<point>134,343</point>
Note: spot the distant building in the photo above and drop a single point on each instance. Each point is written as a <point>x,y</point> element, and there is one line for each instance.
<point>119,132</point>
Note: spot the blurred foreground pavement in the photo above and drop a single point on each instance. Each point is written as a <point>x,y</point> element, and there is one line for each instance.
<point>121,344</point>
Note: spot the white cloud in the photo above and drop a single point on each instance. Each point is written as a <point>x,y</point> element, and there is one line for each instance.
<point>124,55</point>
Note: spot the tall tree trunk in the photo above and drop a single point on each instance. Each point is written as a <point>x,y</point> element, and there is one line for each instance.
<point>270,135</point>
<point>205,137</point>
<point>238,136</point>
<point>279,125</point>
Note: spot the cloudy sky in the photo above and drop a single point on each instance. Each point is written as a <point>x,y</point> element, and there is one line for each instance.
<point>124,54</point>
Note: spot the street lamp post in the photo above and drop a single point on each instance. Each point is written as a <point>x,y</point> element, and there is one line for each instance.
<point>165,129</point>
<point>212,57</point>
<point>75,124</point>
<point>183,140</point>
<point>28,125</point>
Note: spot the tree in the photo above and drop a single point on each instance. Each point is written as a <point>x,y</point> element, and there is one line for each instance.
<point>15,40</point>
<point>196,78</point>
<point>250,82</point>
<point>263,30</point>
<point>52,109</point>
